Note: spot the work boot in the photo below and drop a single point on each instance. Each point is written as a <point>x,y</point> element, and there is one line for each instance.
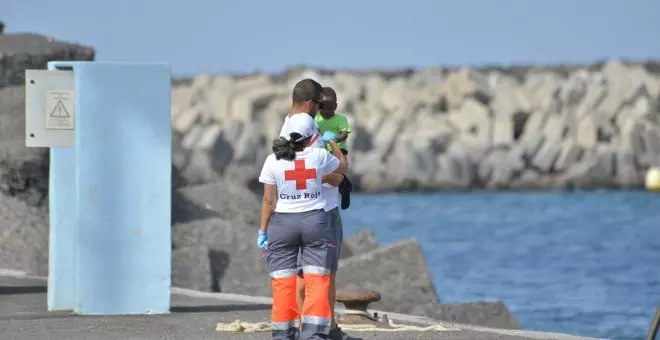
<point>338,334</point>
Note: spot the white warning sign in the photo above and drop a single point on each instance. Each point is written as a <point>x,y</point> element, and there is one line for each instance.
<point>59,110</point>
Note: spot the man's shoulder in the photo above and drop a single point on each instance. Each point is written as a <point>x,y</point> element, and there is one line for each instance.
<point>301,115</point>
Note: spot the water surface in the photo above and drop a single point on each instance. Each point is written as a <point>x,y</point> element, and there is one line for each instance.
<point>579,263</point>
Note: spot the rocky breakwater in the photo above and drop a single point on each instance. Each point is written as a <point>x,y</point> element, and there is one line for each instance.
<point>564,127</point>
<point>24,171</point>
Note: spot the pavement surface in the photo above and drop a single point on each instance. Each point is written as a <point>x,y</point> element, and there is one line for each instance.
<point>194,315</point>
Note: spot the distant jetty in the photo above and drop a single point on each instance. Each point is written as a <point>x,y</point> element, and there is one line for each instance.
<point>495,128</point>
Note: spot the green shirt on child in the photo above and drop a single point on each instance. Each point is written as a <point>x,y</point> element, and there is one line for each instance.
<point>335,124</point>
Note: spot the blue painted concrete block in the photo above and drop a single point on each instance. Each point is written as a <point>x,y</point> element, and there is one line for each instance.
<point>122,186</point>
<point>62,232</point>
<point>62,247</point>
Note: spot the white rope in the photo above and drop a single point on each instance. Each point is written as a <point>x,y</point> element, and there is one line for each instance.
<point>250,327</point>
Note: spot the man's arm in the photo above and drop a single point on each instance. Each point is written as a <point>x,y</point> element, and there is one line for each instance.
<point>333,179</point>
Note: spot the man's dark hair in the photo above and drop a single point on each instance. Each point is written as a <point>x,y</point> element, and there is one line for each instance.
<point>307,89</point>
<point>329,93</point>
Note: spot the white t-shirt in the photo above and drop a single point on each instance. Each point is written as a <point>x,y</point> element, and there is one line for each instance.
<point>331,195</point>
<point>329,192</point>
<point>316,140</point>
<point>298,182</point>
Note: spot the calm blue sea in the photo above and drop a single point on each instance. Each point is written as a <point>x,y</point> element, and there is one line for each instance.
<point>580,263</point>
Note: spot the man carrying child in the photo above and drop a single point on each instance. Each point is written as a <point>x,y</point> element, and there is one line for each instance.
<point>334,125</point>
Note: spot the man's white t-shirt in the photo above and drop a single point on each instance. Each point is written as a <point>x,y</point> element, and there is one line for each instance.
<point>331,195</point>
<point>298,182</point>
<point>316,140</point>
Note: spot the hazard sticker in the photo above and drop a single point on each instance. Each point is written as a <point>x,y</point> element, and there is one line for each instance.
<point>59,110</point>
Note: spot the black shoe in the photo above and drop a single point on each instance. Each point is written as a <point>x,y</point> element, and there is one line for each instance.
<point>345,188</point>
<point>338,334</point>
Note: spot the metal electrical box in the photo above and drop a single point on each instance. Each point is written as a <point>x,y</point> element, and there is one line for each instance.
<point>50,109</point>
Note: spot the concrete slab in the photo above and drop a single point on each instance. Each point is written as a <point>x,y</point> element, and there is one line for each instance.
<point>194,316</point>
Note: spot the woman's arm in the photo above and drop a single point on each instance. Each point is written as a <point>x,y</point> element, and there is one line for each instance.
<point>343,162</point>
<point>268,205</point>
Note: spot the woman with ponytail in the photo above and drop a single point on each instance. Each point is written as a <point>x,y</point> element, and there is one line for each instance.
<point>293,220</point>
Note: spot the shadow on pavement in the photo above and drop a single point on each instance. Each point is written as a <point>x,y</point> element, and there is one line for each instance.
<point>11,290</point>
<point>220,308</point>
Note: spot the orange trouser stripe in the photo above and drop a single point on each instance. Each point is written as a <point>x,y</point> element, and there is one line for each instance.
<point>285,306</point>
<point>316,301</point>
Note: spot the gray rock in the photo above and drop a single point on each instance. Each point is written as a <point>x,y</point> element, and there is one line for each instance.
<point>455,172</point>
<point>222,199</point>
<point>361,242</point>
<point>595,170</point>
<point>628,176</point>
<point>398,272</point>
<point>499,167</point>
<point>528,179</point>
<point>199,169</point>
<point>481,313</point>
<point>569,154</point>
<point>12,110</point>
<point>23,171</point>
<point>180,156</point>
<point>23,236</point>
<point>237,264</point>
<point>192,268</point>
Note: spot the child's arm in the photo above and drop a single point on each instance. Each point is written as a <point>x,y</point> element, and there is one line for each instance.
<point>344,129</point>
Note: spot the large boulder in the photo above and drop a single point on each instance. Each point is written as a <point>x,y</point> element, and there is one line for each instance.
<point>363,241</point>
<point>398,272</point>
<point>223,199</point>
<point>481,313</point>
<point>23,171</point>
<point>23,236</point>
<point>236,264</point>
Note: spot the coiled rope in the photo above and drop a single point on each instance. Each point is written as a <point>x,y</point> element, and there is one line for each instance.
<point>239,326</point>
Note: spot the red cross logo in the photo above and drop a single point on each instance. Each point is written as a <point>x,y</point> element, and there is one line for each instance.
<point>300,174</point>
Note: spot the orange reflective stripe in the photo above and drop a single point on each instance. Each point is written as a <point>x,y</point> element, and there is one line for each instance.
<point>317,303</point>
<point>285,306</point>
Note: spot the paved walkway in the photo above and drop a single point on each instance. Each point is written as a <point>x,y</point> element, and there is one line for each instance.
<point>23,316</point>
